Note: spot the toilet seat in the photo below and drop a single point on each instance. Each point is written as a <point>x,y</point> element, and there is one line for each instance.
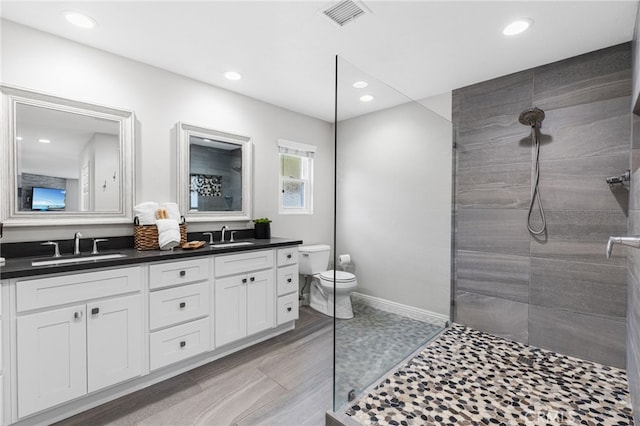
<point>344,280</point>
<point>341,276</point>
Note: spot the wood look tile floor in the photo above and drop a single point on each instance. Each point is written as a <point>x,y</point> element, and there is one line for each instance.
<point>285,381</point>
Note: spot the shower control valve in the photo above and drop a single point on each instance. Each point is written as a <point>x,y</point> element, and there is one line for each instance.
<point>624,177</point>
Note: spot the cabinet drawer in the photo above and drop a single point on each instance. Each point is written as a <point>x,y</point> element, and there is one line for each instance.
<point>243,262</point>
<point>60,290</point>
<point>177,343</point>
<point>287,280</point>
<point>178,304</point>
<point>182,272</point>
<point>288,256</point>
<point>287,308</point>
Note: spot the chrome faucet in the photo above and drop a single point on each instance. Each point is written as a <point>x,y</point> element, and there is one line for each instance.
<point>210,234</point>
<point>625,241</point>
<point>56,249</point>
<point>224,228</point>
<point>76,242</point>
<point>95,244</point>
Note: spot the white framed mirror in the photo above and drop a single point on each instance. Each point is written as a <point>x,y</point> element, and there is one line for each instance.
<point>65,162</point>
<point>214,174</point>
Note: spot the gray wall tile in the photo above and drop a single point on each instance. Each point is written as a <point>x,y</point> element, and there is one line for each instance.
<point>579,287</point>
<point>501,317</point>
<point>505,186</point>
<point>633,317</point>
<point>603,74</point>
<point>493,230</point>
<point>595,129</point>
<point>589,337</point>
<point>494,98</point>
<point>489,143</point>
<point>585,138</point>
<point>581,236</point>
<point>492,274</point>
<point>580,183</point>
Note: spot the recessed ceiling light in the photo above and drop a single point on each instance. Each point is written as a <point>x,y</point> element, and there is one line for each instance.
<point>232,75</point>
<point>516,27</point>
<point>360,84</point>
<point>19,138</point>
<point>79,20</point>
<point>366,98</point>
<point>44,141</point>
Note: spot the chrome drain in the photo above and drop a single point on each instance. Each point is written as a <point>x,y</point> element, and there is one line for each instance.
<point>526,360</point>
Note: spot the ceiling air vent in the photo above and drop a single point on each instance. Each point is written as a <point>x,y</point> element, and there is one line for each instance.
<point>346,11</point>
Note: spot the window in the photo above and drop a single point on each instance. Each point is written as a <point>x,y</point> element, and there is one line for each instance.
<point>296,177</point>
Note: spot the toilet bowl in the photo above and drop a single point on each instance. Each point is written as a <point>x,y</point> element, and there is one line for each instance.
<point>313,260</point>
<point>323,295</point>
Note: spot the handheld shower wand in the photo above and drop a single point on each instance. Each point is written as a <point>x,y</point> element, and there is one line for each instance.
<point>533,117</point>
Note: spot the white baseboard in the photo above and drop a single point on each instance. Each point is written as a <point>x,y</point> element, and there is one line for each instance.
<point>400,309</point>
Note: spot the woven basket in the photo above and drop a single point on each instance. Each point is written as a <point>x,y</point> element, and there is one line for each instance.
<point>145,237</point>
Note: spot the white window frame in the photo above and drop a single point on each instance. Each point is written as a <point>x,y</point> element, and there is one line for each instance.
<point>306,152</point>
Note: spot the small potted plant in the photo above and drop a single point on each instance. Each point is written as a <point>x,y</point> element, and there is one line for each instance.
<point>262,228</point>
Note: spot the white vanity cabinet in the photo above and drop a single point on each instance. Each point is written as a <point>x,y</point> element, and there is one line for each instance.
<point>179,302</point>
<point>288,278</point>
<point>70,341</point>
<point>2,368</point>
<point>244,295</point>
<point>76,334</point>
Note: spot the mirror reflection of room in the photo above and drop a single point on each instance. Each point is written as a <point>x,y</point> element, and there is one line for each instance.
<point>215,173</point>
<point>66,161</point>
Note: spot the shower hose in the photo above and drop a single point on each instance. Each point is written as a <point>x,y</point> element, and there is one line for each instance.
<point>535,177</point>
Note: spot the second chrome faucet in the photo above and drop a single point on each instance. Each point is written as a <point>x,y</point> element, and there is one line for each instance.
<point>76,242</point>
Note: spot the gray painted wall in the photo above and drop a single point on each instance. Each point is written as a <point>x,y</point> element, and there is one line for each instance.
<point>558,292</point>
<point>394,205</point>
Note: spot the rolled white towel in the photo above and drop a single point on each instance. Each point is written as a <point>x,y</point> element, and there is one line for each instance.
<point>168,233</point>
<point>172,210</point>
<point>146,212</point>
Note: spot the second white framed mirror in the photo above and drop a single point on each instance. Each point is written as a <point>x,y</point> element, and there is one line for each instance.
<point>214,174</point>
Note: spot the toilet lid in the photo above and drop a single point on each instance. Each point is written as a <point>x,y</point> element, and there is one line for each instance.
<point>341,276</point>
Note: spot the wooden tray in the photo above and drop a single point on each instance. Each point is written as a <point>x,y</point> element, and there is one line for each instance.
<point>191,245</point>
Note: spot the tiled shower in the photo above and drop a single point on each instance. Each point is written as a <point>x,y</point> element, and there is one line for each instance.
<point>558,291</point>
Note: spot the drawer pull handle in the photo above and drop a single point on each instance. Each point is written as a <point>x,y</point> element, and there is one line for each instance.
<point>289,280</point>
<point>289,256</point>
<point>244,280</point>
<point>252,279</point>
<point>183,344</point>
<point>289,309</point>
<point>183,273</point>
<point>95,311</point>
<point>77,315</point>
<point>183,305</point>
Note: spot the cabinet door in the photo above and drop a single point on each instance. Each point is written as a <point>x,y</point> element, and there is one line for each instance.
<point>230,309</point>
<point>114,341</point>
<point>261,301</point>
<point>52,363</point>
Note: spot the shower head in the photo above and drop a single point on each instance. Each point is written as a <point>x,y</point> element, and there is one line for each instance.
<point>531,117</point>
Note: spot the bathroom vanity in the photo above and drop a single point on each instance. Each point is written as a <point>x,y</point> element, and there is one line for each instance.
<point>76,335</point>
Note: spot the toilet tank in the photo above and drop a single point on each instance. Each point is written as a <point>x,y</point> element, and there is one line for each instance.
<point>313,259</point>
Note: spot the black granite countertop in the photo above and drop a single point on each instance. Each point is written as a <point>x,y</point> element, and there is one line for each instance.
<point>21,266</point>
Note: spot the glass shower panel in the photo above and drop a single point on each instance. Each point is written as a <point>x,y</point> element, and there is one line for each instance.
<point>393,219</point>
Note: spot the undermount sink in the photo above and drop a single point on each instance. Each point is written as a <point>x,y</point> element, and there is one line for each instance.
<point>239,243</point>
<point>75,259</point>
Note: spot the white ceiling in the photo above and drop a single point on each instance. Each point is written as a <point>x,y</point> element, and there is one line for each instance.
<point>286,49</point>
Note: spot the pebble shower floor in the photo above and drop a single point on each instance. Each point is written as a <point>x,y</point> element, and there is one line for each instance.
<point>467,377</point>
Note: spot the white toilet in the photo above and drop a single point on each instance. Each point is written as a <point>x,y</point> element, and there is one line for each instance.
<point>313,261</point>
